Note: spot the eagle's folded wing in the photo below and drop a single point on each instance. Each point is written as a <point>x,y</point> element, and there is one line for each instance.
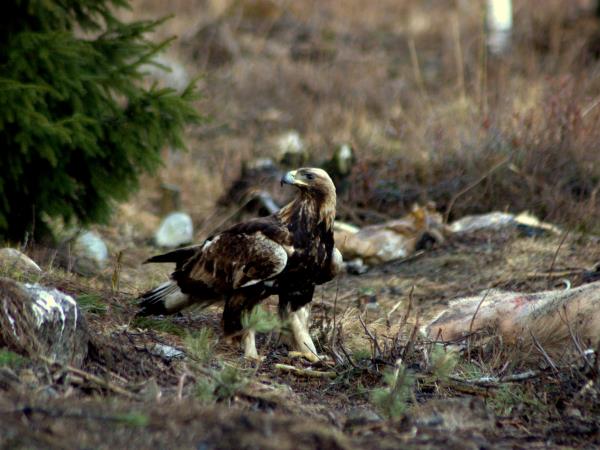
<point>334,266</point>
<point>231,261</point>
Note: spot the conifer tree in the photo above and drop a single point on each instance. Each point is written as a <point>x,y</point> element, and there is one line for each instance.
<point>78,125</point>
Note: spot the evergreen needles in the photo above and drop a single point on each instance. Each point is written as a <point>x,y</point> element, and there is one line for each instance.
<point>77,125</point>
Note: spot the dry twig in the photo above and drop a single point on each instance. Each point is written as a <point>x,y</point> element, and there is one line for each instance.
<point>373,338</point>
<point>306,372</point>
<point>537,345</point>
<point>92,378</point>
<point>471,186</point>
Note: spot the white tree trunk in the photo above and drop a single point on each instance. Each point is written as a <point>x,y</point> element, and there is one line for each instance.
<point>499,22</point>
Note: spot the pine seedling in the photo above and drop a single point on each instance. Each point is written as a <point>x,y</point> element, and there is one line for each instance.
<point>200,346</point>
<point>392,400</point>
<point>229,380</point>
<point>442,362</point>
<point>260,320</point>
<point>222,384</point>
<point>205,390</point>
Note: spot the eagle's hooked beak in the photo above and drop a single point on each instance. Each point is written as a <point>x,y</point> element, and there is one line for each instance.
<point>289,178</point>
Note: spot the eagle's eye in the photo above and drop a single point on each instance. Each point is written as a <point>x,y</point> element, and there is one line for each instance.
<point>309,176</point>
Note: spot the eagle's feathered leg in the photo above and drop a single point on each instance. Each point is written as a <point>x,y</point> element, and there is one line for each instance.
<point>303,343</point>
<point>249,345</point>
<point>294,307</point>
<point>235,306</point>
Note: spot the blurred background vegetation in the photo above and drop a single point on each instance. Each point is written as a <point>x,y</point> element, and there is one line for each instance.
<point>412,86</point>
<point>431,111</point>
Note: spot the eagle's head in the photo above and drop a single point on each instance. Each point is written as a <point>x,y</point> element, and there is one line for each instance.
<point>312,181</point>
<point>317,194</point>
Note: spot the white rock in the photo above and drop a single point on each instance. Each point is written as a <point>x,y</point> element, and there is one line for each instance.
<point>290,142</point>
<point>48,317</point>
<point>344,159</point>
<point>260,164</point>
<point>173,74</point>
<point>90,252</point>
<point>166,351</point>
<point>13,258</point>
<point>176,229</point>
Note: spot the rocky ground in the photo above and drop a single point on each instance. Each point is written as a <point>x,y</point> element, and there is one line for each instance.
<point>130,393</point>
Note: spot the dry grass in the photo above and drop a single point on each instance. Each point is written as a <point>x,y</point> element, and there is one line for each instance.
<point>411,86</point>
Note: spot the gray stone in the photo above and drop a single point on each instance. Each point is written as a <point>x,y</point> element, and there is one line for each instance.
<point>361,416</point>
<point>176,229</point>
<point>13,259</point>
<point>90,253</point>
<point>343,159</point>
<point>291,149</point>
<point>166,352</point>
<point>167,71</point>
<point>454,414</point>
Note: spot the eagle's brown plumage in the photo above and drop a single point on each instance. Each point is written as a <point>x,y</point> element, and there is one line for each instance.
<point>286,254</point>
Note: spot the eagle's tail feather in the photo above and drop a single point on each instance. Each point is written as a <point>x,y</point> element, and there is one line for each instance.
<point>176,256</point>
<point>164,299</point>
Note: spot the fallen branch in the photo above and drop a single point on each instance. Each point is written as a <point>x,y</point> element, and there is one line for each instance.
<point>181,383</point>
<point>92,378</point>
<point>408,258</point>
<point>520,376</point>
<point>466,388</point>
<point>495,382</point>
<point>305,372</point>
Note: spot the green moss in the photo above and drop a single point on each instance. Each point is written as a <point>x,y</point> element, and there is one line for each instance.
<point>164,325</point>
<point>11,359</point>
<point>92,304</point>
<point>133,419</point>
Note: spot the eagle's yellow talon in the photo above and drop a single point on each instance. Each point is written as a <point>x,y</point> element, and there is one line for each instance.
<point>306,355</point>
<point>254,358</point>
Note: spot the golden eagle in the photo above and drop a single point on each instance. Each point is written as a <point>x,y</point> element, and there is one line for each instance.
<point>284,254</point>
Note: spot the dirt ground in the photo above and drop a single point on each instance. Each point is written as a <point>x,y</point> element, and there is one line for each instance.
<point>384,79</point>
<point>48,406</point>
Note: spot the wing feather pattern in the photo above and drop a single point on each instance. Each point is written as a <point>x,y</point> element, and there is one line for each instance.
<point>231,261</point>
